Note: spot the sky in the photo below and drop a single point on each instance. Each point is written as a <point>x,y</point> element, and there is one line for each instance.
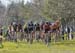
<point>6,2</point>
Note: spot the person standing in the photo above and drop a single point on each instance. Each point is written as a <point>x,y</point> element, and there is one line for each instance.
<point>1,35</point>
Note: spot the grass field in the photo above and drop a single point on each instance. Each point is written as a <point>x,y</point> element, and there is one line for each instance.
<point>22,47</point>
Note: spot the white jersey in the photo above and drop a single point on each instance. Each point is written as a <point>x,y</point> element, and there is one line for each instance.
<point>10,28</point>
<point>66,29</point>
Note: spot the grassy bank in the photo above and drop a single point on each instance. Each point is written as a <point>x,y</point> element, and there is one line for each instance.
<point>22,47</point>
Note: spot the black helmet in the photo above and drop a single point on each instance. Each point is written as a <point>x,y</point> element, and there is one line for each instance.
<point>31,21</point>
<point>47,22</point>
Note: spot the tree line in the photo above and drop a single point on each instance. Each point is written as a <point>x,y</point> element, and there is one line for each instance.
<point>39,9</point>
